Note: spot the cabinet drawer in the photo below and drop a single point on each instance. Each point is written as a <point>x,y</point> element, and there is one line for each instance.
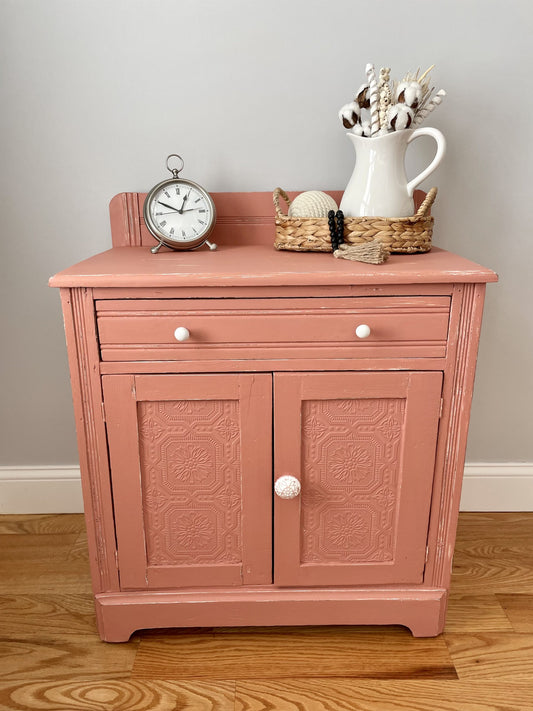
<point>141,329</point>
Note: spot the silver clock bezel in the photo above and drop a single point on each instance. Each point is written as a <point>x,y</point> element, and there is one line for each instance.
<point>160,236</point>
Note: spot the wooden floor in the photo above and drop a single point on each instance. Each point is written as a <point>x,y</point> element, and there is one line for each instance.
<point>51,658</point>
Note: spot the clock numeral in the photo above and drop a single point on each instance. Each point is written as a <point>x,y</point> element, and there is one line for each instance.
<point>171,230</point>
<point>201,210</point>
<point>201,222</point>
<point>197,200</point>
<point>195,232</point>
<point>163,223</point>
<point>183,233</point>
<point>177,190</point>
<point>166,193</point>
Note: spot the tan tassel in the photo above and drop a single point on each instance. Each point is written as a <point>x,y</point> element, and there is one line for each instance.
<point>369,252</point>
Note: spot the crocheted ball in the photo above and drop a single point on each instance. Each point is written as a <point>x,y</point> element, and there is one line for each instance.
<point>312,203</point>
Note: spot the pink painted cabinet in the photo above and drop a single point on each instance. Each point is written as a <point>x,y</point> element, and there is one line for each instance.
<point>200,379</point>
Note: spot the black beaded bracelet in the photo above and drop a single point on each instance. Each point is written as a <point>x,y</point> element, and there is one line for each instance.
<point>336,228</point>
<point>332,230</point>
<point>340,227</point>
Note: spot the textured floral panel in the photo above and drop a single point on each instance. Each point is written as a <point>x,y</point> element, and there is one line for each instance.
<point>350,490</point>
<point>191,481</point>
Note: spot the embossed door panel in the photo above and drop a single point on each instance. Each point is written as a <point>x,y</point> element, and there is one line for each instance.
<point>363,447</point>
<point>192,478</point>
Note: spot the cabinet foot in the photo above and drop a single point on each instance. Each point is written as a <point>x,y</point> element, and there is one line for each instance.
<point>429,622</point>
<point>427,628</point>
<point>113,627</point>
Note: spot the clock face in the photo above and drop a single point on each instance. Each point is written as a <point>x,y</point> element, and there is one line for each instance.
<point>180,212</point>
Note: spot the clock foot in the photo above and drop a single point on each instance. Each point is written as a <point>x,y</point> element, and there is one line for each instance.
<point>212,246</point>
<point>156,249</point>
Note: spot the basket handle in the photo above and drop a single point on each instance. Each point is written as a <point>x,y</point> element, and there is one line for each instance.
<point>278,192</point>
<point>427,203</point>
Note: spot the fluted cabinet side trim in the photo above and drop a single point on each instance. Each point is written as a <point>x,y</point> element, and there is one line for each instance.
<point>80,329</point>
<point>455,421</point>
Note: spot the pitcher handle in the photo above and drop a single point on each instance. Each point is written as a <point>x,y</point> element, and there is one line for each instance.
<point>439,155</point>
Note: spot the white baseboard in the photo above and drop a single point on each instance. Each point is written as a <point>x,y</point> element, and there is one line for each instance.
<point>32,490</point>
<point>486,487</point>
<point>498,487</point>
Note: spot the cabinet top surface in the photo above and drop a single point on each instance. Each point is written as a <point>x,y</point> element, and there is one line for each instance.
<point>262,265</point>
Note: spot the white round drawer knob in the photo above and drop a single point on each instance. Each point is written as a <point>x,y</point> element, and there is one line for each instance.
<point>362,331</point>
<point>181,333</point>
<point>287,487</point>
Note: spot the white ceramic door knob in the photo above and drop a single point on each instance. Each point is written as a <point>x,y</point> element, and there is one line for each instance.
<point>362,331</point>
<point>287,487</point>
<point>181,333</point>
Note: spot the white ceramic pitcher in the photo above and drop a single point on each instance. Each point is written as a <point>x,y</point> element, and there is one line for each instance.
<point>378,186</point>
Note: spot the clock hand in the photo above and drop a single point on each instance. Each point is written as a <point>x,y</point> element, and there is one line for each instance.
<point>183,203</point>
<point>175,209</point>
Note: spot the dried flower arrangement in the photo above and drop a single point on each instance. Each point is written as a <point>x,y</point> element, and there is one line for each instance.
<point>391,106</point>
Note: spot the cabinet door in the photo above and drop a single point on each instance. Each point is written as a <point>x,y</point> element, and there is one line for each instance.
<point>192,478</point>
<point>363,447</point>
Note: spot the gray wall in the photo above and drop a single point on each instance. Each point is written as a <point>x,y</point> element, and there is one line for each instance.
<point>96,94</point>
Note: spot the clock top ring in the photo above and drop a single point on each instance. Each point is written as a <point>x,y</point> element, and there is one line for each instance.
<point>179,213</point>
<point>175,171</point>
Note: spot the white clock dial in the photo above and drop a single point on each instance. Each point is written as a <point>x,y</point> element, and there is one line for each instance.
<point>181,212</point>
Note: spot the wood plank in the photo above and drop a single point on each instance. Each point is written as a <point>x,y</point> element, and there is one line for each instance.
<point>354,695</point>
<point>66,578</point>
<point>69,579</point>
<point>60,657</point>
<point>494,553</point>
<point>38,616</point>
<point>263,653</point>
<point>499,574</point>
<point>495,526</point>
<point>490,549</point>
<point>117,695</point>
<point>39,563</point>
<point>41,523</point>
<point>80,549</point>
<point>492,655</point>
<point>34,547</point>
<point>519,610</point>
<point>476,613</point>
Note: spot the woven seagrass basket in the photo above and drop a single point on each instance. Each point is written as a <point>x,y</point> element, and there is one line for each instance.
<point>400,235</point>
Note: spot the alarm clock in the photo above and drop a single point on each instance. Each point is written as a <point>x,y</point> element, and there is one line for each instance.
<point>179,213</point>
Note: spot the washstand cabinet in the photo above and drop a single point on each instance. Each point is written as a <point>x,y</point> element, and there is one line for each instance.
<point>202,378</point>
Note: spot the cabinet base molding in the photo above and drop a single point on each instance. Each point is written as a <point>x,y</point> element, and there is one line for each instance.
<point>120,614</point>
